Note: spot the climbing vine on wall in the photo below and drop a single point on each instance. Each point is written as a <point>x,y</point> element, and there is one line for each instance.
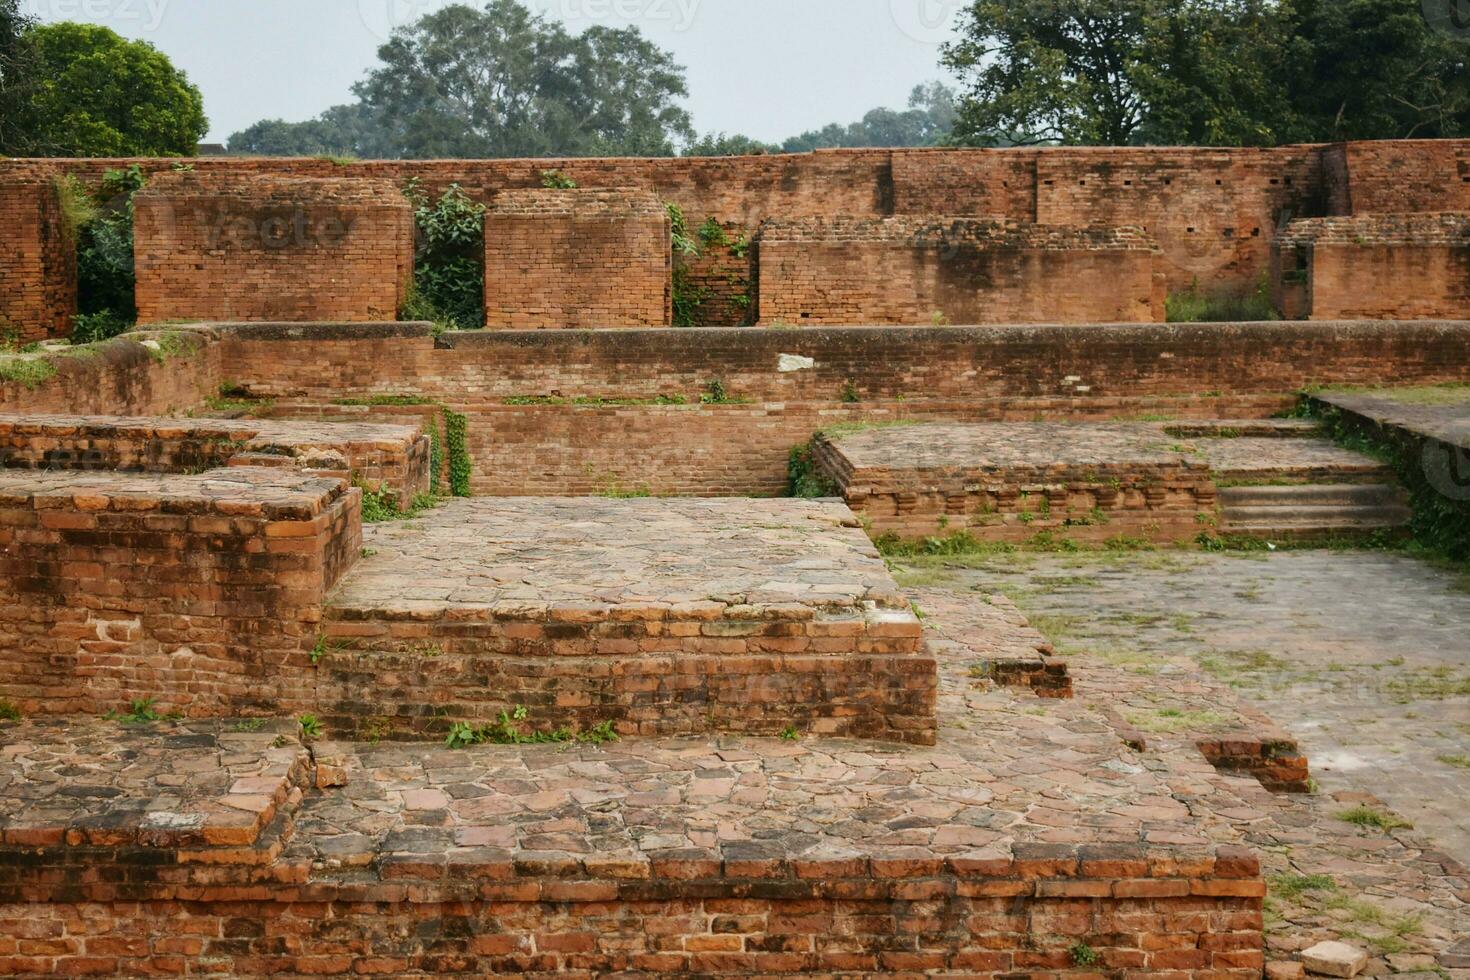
<point>456,427</point>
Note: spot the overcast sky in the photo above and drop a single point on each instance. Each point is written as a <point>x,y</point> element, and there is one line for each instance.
<point>766,68</point>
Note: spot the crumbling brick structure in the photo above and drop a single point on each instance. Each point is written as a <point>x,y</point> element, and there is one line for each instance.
<point>219,247</point>
<point>38,282</point>
<point>578,258</point>
<point>953,270</point>
<point>1391,266</point>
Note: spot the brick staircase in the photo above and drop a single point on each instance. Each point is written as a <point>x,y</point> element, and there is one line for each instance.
<point>1311,510</point>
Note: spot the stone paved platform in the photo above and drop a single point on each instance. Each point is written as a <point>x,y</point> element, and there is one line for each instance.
<point>1440,413</point>
<point>660,616</point>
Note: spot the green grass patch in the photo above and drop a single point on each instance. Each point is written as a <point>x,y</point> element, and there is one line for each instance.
<point>510,729</point>
<point>29,372</point>
<point>1365,816</point>
<point>1293,886</point>
<point>380,505</point>
<point>1167,721</point>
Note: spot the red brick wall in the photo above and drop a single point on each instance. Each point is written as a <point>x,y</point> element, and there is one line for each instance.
<point>1213,212</point>
<point>219,248</point>
<point>1386,176</point>
<point>1418,265</point>
<point>557,259</point>
<point>197,590</point>
<point>911,271</point>
<point>1168,912</point>
<point>38,292</point>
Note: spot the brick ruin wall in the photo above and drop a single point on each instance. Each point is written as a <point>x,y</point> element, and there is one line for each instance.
<point>1171,912</point>
<point>916,271</point>
<point>217,246</point>
<point>563,259</point>
<point>38,292</point>
<point>579,412</point>
<point>1214,212</point>
<point>1418,265</point>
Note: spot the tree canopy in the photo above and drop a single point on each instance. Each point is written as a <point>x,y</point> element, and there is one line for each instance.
<point>96,93</point>
<point>500,82</point>
<point>18,75</point>
<point>1219,72</point>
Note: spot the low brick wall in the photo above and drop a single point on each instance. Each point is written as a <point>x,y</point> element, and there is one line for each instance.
<point>38,263</point>
<point>196,590</point>
<point>271,248</point>
<point>951,270</point>
<point>557,259</point>
<point>1194,915</point>
<point>394,456</point>
<point>1418,265</point>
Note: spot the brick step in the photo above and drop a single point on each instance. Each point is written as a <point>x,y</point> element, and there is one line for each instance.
<point>1312,495</point>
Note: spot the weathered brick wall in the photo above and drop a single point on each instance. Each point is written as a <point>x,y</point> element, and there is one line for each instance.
<point>271,248</point>
<point>557,259</point>
<point>557,412</point>
<point>939,270</point>
<point>647,670</point>
<point>1418,265</point>
<point>38,292</point>
<point>197,590</point>
<point>1171,912</point>
<point>1387,176</point>
<point>1213,212</point>
<point>122,377</point>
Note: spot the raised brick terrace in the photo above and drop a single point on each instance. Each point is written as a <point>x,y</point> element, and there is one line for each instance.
<point>662,616</point>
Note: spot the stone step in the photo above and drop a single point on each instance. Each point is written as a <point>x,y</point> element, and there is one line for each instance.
<point>1312,495</point>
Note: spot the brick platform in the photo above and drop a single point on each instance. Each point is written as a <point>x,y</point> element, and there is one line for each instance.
<point>662,616</point>
<point>1084,482</point>
<point>198,590</point>
<point>377,455</point>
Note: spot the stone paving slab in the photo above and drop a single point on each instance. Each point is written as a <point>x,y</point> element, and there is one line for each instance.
<point>1442,413</point>
<point>99,783</point>
<point>525,556</point>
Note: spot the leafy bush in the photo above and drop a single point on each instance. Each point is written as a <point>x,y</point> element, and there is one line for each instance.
<point>449,267</point>
<point>105,279</point>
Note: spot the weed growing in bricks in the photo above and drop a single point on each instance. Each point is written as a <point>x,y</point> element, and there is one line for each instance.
<point>790,734</point>
<point>1290,886</point>
<point>508,730</point>
<point>1083,955</point>
<point>141,711</point>
<point>849,394</point>
<point>380,505</point>
<point>1364,816</point>
<point>27,371</point>
<point>556,180</point>
<point>311,726</point>
<point>250,725</point>
<point>804,478</point>
<point>8,711</point>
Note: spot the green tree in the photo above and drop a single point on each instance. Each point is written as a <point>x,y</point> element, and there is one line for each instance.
<point>18,75</point>
<point>99,94</point>
<point>503,82</point>
<point>727,145</point>
<point>927,122</point>
<point>1374,69</point>
<point>1057,72</point>
<point>344,130</point>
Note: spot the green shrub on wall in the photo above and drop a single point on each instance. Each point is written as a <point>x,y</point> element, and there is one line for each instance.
<point>460,466</point>
<point>449,260</point>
